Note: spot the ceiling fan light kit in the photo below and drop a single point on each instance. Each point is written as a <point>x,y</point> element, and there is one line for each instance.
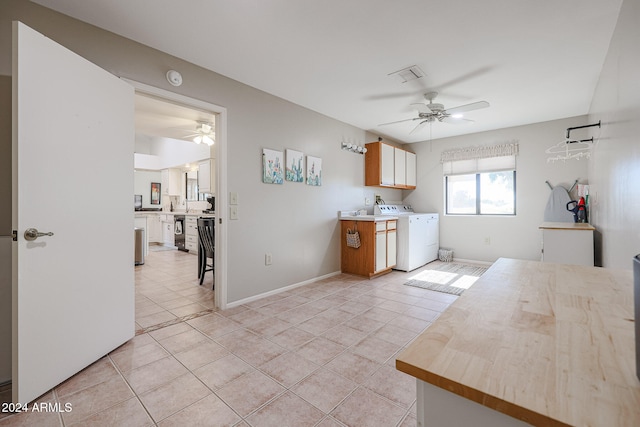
<point>204,134</point>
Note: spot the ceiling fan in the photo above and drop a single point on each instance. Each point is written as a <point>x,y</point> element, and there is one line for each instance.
<point>428,113</point>
<point>204,134</point>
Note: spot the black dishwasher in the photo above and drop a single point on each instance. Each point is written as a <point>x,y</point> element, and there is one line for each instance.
<point>179,231</point>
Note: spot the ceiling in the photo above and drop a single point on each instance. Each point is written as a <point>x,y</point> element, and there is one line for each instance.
<point>533,61</point>
<point>160,118</point>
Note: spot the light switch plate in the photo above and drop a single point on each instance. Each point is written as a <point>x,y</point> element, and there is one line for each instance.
<point>233,198</point>
<point>233,212</point>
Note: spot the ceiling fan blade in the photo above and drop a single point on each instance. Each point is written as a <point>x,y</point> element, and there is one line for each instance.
<point>455,120</point>
<point>422,108</point>
<point>419,127</point>
<point>399,121</point>
<point>468,107</point>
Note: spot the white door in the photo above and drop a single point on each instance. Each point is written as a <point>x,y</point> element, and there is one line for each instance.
<point>73,136</point>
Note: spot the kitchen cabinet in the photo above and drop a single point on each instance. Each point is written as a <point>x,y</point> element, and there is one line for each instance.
<point>377,252</point>
<point>168,232</point>
<point>207,176</point>
<point>567,243</point>
<point>191,234</point>
<point>389,166</point>
<point>171,182</point>
<point>154,229</point>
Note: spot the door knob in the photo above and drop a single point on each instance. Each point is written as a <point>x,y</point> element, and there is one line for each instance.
<point>33,233</point>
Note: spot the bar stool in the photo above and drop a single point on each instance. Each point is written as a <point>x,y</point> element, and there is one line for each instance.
<point>205,240</point>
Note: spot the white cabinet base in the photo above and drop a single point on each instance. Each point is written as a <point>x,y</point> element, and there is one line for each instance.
<point>437,407</point>
<point>568,246</point>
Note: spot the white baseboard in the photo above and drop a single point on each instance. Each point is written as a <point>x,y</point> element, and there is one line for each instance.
<point>280,290</point>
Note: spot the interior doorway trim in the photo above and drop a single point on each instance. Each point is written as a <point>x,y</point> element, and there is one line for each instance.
<point>221,260</point>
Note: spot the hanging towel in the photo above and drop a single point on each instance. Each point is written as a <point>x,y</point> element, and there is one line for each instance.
<point>556,210</point>
<point>178,227</point>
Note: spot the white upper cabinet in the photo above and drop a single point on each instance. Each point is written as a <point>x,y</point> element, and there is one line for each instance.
<point>400,170</point>
<point>171,182</point>
<point>387,164</point>
<point>207,177</point>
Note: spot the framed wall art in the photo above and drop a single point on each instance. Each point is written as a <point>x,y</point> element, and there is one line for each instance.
<point>294,171</point>
<point>314,171</point>
<point>155,193</point>
<point>272,164</point>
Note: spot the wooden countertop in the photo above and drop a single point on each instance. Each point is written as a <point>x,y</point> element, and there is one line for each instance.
<point>550,344</point>
<point>567,226</point>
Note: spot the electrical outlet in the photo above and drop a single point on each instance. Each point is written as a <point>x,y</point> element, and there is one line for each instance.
<point>367,201</point>
<point>487,240</point>
<point>233,212</point>
<point>267,259</point>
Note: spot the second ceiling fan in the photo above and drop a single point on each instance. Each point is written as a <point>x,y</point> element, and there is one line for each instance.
<point>428,113</point>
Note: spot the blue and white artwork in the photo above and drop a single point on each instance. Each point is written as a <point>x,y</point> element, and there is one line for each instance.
<point>272,166</point>
<point>314,171</point>
<point>294,170</point>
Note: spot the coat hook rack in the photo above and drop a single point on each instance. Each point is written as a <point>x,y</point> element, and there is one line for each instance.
<point>570,141</point>
<point>569,191</point>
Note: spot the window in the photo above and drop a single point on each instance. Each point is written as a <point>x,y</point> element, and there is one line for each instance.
<point>483,193</point>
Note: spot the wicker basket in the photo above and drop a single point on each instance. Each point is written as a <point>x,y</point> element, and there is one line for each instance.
<point>445,255</point>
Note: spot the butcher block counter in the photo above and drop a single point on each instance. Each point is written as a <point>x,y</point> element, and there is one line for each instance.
<point>549,344</point>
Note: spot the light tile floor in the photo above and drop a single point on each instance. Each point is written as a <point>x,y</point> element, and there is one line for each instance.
<point>318,355</point>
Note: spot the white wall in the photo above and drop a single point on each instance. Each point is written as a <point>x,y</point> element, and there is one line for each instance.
<point>515,236</point>
<point>142,185</point>
<point>614,169</point>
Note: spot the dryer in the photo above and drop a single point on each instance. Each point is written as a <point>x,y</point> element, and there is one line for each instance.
<point>418,235</point>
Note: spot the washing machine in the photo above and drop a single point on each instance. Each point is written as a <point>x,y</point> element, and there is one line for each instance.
<point>418,235</point>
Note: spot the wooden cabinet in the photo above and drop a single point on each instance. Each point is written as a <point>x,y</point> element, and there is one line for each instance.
<point>207,176</point>
<point>191,234</point>
<point>171,182</point>
<point>377,252</point>
<point>389,166</point>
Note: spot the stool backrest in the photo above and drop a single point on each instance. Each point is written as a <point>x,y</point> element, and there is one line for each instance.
<point>206,235</point>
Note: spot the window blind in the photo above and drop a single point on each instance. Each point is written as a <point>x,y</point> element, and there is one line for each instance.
<point>479,159</point>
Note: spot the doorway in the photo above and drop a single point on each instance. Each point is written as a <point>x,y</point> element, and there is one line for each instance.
<point>220,173</point>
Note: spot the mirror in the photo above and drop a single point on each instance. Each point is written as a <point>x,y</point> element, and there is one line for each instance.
<point>191,185</point>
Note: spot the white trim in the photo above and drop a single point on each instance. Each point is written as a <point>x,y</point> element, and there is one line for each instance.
<point>280,290</point>
<point>221,238</point>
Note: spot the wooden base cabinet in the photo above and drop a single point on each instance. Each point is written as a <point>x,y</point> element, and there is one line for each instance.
<point>377,252</point>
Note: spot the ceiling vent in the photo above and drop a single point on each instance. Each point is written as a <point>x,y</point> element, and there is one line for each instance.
<point>407,74</point>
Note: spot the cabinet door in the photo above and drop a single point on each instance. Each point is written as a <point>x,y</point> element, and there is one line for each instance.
<point>165,182</point>
<point>391,248</point>
<point>400,178</point>
<point>387,164</point>
<point>411,168</point>
<point>381,250</point>
<point>204,177</point>
<point>155,228</point>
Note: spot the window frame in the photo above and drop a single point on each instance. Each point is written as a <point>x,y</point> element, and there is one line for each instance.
<point>479,194</point>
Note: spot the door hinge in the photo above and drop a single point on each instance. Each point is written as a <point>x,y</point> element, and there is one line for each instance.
<point>14,235</point>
